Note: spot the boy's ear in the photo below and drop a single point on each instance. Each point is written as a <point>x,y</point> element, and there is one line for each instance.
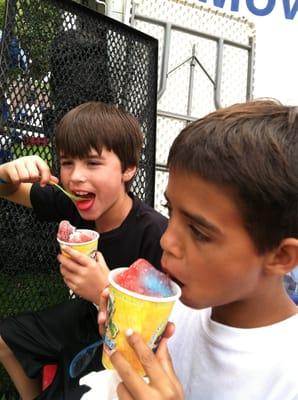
<point>129,173</point>
<point>284,258</point>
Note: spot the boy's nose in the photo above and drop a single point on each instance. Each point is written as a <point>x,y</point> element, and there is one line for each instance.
<point>78,175</point>
<point>171,243</point>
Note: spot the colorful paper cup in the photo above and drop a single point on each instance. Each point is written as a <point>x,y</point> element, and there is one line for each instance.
<point>144,314</point>
<point>89,248</point>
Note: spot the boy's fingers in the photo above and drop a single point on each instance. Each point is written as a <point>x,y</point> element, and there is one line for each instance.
<point>36,169</point>
<point>101,319</point>
<point>19,174</point>
<point>68,273</point>
<point>100,259</point>
<point>44,172</point>
<point>102,263</point>
<point>22,173</point>
<point>123,393</point>
<point>79,258</point>
<point>13,175</point>
<point>169,330</point>
<point>164,357</point>
<point>147,358</point>
<point>67,278</point>
<point>133,382</point>
<point>54,179</point>
<point>103,301</point>
<point>68,265</point>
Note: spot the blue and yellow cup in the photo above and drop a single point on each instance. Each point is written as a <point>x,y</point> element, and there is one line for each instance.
<point>144,314</point>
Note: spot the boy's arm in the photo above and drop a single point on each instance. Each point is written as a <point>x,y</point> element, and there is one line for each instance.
<point>16,193</point>
<point>17,176</point>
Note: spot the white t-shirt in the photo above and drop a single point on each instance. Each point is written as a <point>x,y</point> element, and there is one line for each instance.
<point>219,362</point>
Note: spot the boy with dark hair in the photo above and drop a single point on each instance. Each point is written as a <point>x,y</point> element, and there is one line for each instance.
<point>232,196</point>
<point>99,147</point>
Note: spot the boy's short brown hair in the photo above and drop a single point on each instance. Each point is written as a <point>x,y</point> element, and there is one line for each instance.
<point>94,125</point>
<point>251,151</point>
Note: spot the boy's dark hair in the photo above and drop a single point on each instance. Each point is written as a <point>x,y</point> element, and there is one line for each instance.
<point>94,125</point>
<point>250,150</point>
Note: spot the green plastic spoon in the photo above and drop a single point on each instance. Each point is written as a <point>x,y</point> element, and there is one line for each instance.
<point>72,197</point>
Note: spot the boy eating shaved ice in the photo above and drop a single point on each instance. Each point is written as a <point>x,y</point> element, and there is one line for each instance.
<point>232,236</point>
<point>99,148</point>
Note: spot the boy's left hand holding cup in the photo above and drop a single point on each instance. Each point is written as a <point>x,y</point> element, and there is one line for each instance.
<point>83,268</point>
<point>85,276</point>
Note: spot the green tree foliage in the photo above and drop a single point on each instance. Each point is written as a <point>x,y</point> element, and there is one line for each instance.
<point>36,24</point>
<point>2,8</point>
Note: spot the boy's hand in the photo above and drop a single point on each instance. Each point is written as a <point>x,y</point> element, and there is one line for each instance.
<point>85,276</point>
<point>27,170</point>
<point>163,383</point>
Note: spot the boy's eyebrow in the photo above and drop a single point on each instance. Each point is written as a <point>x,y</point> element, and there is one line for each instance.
<point>89,156</point>
<point>199,220</point>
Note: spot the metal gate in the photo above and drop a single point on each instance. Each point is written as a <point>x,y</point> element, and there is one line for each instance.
<point>206,61</point>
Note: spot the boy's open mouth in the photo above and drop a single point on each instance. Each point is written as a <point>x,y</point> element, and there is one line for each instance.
<point>180,284</point>
<point>86,200</point>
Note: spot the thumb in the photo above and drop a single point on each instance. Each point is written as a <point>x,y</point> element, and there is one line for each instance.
<point>101,261</point>
<point>102,315</point>
<point>100,258</point>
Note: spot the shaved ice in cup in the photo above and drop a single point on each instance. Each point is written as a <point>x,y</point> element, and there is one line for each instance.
<point>82,240</point>
<point>140,298</point>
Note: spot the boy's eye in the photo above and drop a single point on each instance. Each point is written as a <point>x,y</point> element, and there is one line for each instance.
<point>65,163</point>
<point>198,235</point>
<point>93,162</point>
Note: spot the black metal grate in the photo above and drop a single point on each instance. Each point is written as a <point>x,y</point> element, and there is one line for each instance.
<point>54,55</point>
